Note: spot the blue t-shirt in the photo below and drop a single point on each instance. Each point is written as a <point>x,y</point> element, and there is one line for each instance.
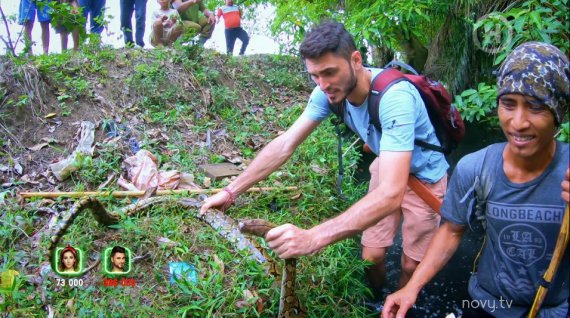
<point>523,222</point>
<point>403,117</point>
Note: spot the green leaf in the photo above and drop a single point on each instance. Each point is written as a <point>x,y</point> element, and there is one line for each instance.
<point>564,135</point>
<point>459,101</point>
<point>519,23</point>
<point>499,59</point>
<point>468,92</point>
<point>516,12</point>
<point>535,17</point>
<point>478,24</point>
<point>545,37</point>
<point>488,25</point>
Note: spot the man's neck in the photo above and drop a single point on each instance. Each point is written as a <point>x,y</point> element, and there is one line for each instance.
<point>521,170</point>
<point>362,89</point>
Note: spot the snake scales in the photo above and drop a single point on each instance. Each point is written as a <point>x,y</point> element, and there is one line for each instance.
<point>289,304</point>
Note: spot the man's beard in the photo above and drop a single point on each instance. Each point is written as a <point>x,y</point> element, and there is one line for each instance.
<point>352,82</point>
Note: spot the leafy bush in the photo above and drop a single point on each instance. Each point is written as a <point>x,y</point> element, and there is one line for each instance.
<point>533,20</point>
<point>477,105</point>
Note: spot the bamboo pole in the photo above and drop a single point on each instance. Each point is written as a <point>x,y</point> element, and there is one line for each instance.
<point>122,194</point>
<point>561,244</point>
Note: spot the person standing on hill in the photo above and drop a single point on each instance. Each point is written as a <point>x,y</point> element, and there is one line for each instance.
<point>95,11</point>
<point>71,26</point>
<point>27,15</point>
<point>127,8</point>
<point>233,29</point>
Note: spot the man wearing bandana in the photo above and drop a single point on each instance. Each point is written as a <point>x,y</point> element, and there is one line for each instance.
<point>522,208</point>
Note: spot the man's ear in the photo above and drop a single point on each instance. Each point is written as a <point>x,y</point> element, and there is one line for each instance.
<point>356,59</point>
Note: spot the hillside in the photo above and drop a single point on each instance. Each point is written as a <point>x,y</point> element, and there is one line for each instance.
<point>187,107</point>
<point>167,101</point>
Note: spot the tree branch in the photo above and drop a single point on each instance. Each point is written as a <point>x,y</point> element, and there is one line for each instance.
<point>9,43</point>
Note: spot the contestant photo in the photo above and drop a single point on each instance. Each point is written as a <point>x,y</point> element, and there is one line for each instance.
<point>117,260</point>
<point>68,261</point>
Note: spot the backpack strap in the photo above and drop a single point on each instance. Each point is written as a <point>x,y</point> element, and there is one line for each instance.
<point>338,110</point>
<point>380,84</point>
<point>402,65</point>
<point>425,193</point>
<point>479,191</point>
<point>483,186</point>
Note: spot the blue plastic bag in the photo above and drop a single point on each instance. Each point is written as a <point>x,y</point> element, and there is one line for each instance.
<point>182,271</point>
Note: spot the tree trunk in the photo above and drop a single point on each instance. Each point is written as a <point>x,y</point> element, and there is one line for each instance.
<point>415,53</point>
<point>381,55</point>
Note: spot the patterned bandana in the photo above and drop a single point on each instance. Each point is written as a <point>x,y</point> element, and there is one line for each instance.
<point>539,70</point>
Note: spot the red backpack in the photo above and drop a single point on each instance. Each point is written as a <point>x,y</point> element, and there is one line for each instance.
<point>448,125</point>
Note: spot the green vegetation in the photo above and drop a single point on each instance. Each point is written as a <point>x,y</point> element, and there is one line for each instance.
<point>177,97</point>
<point>533,20</point>
<point>458,42</point>
<point>190,106</point>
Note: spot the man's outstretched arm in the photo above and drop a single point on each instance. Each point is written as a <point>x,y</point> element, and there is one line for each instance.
<point>441,249</point>
<point>289,241</point>
<point>268,160</point>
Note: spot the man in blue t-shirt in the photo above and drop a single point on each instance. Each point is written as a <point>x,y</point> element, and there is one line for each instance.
<point>515,189</point>
<point>336,66</point>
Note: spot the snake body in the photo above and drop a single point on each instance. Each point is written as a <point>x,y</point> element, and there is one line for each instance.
<point>289,304</point>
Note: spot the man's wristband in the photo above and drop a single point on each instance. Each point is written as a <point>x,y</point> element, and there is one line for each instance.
<point>230,200</point>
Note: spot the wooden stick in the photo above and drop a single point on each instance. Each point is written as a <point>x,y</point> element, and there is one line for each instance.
<point>122,194</point>
<point>561,244</point>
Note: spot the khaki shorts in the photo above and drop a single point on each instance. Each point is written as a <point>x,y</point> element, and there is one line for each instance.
<point>420,221</point>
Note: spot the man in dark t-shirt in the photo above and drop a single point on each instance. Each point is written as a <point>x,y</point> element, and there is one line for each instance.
<point>521,207</point>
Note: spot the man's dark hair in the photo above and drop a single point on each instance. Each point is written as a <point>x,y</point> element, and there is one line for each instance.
<point>329,36</point>
<point>117,249</point>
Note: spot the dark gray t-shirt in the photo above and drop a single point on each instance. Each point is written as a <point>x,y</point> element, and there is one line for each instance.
<point>523,222</point>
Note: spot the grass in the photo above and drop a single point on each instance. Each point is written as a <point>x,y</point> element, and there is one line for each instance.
<point>251,100</point>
